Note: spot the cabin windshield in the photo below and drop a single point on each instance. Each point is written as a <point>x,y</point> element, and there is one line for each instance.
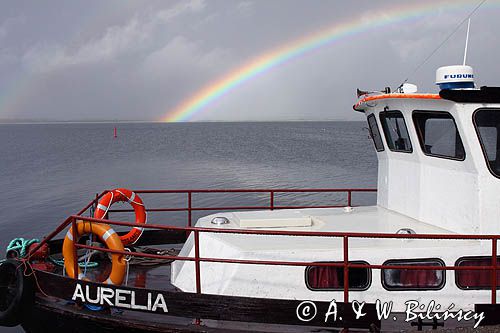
<point>438,134</point>
<point>395,131</point>
<point>487,122</point>
<point>374,133</point>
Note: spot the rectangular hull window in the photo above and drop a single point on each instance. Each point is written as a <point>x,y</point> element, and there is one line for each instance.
<point>475,279</point>
<point>438,135</point>
<point>395,131</point>
<point>375,133</point>
<point>487,122</point>
<point>413,279</point>
<point>332,278</point>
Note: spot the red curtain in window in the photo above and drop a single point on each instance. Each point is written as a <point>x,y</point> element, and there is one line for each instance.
<point>419,278</point>
<point>475,278</point>
<point>324,278</point>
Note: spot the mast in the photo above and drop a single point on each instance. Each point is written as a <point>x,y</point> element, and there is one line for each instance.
<point>466,41</point>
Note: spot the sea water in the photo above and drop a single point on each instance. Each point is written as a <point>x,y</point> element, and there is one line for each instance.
<point>49,171</point>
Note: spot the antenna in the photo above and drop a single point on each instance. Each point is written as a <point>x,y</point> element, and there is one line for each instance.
<point>444,41</point>
<point>466,41</point>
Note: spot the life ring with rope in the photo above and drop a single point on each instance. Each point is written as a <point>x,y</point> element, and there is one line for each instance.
<point>107,236</point>
<point>124,195</point>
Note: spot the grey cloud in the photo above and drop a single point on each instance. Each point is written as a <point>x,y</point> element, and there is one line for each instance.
<point>7,58</point>
<point>115,41</point>
<point>138,60</point>
<point>9,24</point>
<point>246,7</point>
<point>180,8</point>
<point>183,54</point>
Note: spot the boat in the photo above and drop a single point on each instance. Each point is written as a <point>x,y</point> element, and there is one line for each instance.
<point>425,255</point>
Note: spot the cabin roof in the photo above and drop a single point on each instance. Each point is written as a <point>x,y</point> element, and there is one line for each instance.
<point>360,105</point>
<point>482,95</point>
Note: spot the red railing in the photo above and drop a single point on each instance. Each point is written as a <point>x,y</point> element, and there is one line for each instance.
<point>270,192</point>
<point>345,236</point>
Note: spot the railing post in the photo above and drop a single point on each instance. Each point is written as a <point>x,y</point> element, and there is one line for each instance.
<point>346,269</point>
<point>190,198</point>
<point>75,249</point>
<point>271,204</point>
<point>197,260</point>
<point>349,198</point>
<point>197,321</point>
<point>494,271</point>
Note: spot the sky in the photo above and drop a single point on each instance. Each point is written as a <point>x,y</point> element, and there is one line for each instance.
<point>128,60</point>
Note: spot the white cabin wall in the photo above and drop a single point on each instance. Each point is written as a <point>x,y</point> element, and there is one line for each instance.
<point>383,179</point>
<point>488,186</point>
<point>449,197</point>
<point>404,184</point>
<point>490,205</point>
<point>438,191</point>
<point>398,174</point>
<point>450,188</point>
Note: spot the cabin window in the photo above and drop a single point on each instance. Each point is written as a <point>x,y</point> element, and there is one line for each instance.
<point>413,279</point>
<point>475,279</point>
<point>487,122</point>
<point>395,131</point>
<point>332,278</point>
<point>375,133</point>
<point>438,135</point>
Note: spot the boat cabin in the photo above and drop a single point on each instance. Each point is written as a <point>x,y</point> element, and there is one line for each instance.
<point>438,173</point>
<point>437,156</point>
<point>432,162</point>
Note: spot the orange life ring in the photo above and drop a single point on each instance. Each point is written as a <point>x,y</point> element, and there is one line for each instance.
<point>122,195</point>
<point>109,237</point>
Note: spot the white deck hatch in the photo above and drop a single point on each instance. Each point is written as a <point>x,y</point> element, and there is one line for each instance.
<point>272,219</point>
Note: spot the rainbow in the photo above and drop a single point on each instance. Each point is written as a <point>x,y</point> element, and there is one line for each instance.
<point>265,62</point>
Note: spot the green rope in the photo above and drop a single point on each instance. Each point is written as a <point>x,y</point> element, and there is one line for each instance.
<point>81,264</point>
<point>21,246</point>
